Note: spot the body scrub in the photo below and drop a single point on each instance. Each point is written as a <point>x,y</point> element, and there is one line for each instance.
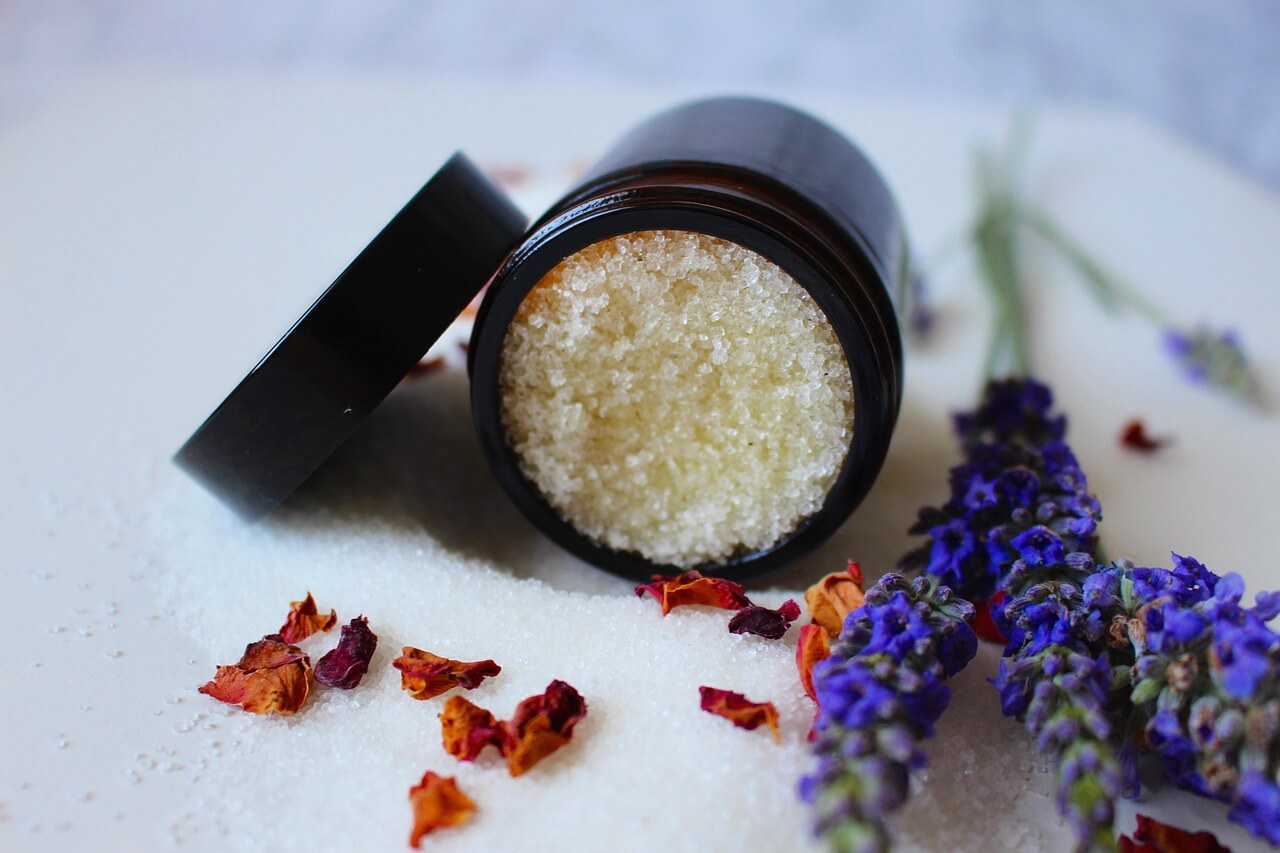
<point>692,359</point>
<point>675,395</point>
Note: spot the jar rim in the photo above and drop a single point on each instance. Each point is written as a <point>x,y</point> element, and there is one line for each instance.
<point>733,216</point>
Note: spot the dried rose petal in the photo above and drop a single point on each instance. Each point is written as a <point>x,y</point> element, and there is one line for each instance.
<point>426,676</point>
<point>834,597</point>
<point>344,665</point>
<point>984,624</point>
<point>814,646</point>
<point>541,725</point>
<point>304,619</point>
<point>426,367</point>
<point>1153,836</point>
<point>763,622</point>
<point>740,710</point>
<point>1134,437</point>
<point>693,587</point>
<point>467,729</point>
<point>271,677</point>
<point>437,803</point>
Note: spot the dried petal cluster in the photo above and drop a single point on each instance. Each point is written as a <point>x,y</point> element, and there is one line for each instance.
<point>271,677</point>
<point>540,725</point>
<point>739,710</point>
<point>437,803</point>
<point>424,675</point>
<point>694,588</point>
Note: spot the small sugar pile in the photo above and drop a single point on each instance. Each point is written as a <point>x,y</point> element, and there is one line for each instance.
<point>676,395</point>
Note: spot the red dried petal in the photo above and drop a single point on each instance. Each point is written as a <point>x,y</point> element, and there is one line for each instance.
<point>271,677</point>
<point>834,597</point>
<point>694,588</point>
<point>466,729</point>
<point>740,710</point>
<point>763,622</point>
<point>984,625</point>
<point>437,802</point>
<point>425,675</point>
<point>304,619</point>
<point>344,665</point>
<point>1153,836</point>
<point>814,646</point>
<point>1134,437</point>
<point>541,725</point>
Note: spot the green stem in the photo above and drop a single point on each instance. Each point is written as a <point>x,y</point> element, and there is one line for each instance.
<point>1109,291</point>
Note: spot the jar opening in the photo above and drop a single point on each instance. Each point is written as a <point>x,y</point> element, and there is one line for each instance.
<point>676,395</point>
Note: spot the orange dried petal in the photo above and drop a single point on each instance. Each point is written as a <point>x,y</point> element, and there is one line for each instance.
<point>437,802</point>
<point>814,646</point>
<point>305,619</point>
<point>467,729</point>
<point>834,597</point>
<point>694,588</point>
<point>740,710</point>
<point>272,677</point>
<point>541,725</point>
<point>1152,836</point>
<point>425,675</point>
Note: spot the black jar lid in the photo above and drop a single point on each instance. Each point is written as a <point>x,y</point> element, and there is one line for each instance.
<point>356,342</point>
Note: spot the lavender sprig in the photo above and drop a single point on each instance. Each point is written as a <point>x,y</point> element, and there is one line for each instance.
<point>1205,680</point>
<point>1021,520</point>
<point>1056,677</point>
<point>879,694</point>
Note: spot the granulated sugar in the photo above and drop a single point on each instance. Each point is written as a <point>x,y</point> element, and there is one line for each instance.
<point>424,544</point>
<point>676,395</point>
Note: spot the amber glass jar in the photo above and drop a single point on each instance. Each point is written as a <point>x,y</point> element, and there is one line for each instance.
<point>759,175</point>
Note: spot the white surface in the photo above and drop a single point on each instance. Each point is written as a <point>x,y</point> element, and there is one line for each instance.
<point>155,237</point>
<point>1208,69</point>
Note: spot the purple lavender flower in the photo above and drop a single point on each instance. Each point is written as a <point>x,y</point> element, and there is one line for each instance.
<point>1205,676</point>
<point>1257,806</point>
<point>1215,359</point>
<point>879,694</point>
<point>1018,483</point>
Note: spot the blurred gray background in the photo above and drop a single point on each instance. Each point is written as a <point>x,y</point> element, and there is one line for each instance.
<point>1208,69</point>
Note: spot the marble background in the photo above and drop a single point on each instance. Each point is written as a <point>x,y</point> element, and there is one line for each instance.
<point>1208,69</point>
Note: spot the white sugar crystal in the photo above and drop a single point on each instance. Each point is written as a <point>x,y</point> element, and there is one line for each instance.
<point>676,395</point>
<point>418,538</point>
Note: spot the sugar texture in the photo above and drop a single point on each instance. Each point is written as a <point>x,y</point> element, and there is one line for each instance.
<point>676,395</point>
<point>424,543</point>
